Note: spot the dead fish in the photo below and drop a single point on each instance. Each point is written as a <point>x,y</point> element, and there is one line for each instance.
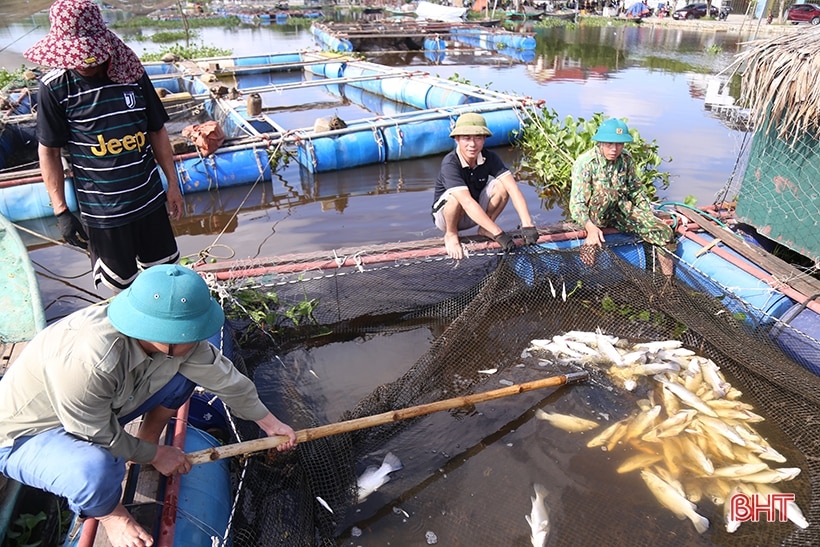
<point>538,519</point>
<point>374,477</point>
<point>687,397</point>
<point>672,499</point>
<point>603,437</point>
<point>732,524</point>
<point>608,350</point>
<point>324,504</point>
<point>638,461</point>
<point>566,422</point>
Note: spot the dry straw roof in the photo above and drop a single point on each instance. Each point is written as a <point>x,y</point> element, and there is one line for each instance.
<point>780,75</point>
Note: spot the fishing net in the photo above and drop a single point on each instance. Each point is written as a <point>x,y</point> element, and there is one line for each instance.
<point>467,327</point>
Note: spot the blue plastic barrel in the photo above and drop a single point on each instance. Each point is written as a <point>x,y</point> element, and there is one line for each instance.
<point>205,496</point>
<point>410,91</point>
<point>417,139</point>
<point>373,85</point>
<point>798,335</point>
<point>342,151</point>
<point>443,96</point>
<point>30,201</point>
<point>502,123</point>
<point>226,168</point>
<point>764,301</point>
<point>434,44</point>
<point>328,70</point>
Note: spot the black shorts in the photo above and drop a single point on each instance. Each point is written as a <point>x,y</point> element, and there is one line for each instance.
<point>118,254</point>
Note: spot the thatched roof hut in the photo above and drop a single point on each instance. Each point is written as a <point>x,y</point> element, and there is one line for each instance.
<point>779,83</point>
<point>780,189</point>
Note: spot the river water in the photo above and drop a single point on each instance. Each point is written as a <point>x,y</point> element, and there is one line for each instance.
<point>654,77</point>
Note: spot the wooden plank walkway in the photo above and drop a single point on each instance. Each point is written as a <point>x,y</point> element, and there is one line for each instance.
<point>781,270</point>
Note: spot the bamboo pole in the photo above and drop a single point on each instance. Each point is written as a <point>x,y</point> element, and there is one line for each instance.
<point>257,445</point>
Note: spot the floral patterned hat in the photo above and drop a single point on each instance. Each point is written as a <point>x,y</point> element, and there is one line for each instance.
<point>78,38</point>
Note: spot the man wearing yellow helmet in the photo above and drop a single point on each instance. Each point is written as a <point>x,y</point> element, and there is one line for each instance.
<point>473,187</point>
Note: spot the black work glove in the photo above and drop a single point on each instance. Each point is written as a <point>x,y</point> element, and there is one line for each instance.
<point>72,230</point>
<point>506,241</point>
<point>530,235</point>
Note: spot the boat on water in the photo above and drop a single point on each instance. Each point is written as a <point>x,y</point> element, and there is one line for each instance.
<point>24,317</point>
<point>21,292</point>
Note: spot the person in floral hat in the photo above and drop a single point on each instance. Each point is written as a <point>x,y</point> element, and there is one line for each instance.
<point>98,103</point>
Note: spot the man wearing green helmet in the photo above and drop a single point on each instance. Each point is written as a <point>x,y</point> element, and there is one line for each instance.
<point>66,400</point>
<point>473,187</point>
<point>606,192</point>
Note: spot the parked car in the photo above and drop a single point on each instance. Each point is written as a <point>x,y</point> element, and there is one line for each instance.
<point>694,11</point>
<point>803,13</point>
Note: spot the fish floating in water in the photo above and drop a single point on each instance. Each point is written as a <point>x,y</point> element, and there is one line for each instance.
<point>690,438</point>
<point>539,519</point>
<point>573,424</point>
<point>374,477</point>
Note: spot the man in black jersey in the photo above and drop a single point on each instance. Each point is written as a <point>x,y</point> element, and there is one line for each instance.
<point>99,104</point>
<point>473,187</point>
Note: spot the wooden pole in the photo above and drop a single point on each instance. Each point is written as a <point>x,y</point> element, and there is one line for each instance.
<point>257,445</point>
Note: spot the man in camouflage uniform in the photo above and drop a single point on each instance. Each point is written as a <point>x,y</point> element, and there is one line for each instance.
<point>606,191</point>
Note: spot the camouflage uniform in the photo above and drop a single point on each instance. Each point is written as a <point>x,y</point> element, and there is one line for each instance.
<point>610,194</point>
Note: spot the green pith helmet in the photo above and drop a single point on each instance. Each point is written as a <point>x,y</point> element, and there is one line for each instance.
<point>471,124</point>
<point>612,130</point>
<point>169,304</point>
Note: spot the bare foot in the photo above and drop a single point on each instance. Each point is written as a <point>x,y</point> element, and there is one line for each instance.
<point>453,246</point>
<point>123,531</point>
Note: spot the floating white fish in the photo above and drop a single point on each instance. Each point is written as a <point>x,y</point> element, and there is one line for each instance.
<point>672,499</point>
<point>488,371</point>
<point>566,422</point>
<point>731,524</point>
<point>608,350</point>
<point>552,288</point>
<point>324,504</point>
<point>538,519</point>
<point>374,477</point>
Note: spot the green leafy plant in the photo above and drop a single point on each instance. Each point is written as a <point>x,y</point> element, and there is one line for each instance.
<point>186,52</point>
<point>22,529</point>
<point>7,77</point>
<point>269,313</point>
<point>168,36</point>
<point>550,147</point>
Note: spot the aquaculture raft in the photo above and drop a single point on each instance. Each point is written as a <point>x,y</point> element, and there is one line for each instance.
<point>414,35</point>
<point>389,114</point>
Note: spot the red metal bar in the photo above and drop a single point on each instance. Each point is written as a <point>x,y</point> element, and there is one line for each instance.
<point>236,269</point>
<point>168,520</point>
<point>89,533</point>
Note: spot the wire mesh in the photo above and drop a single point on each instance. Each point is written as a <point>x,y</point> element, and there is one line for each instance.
<point>467,480</point>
